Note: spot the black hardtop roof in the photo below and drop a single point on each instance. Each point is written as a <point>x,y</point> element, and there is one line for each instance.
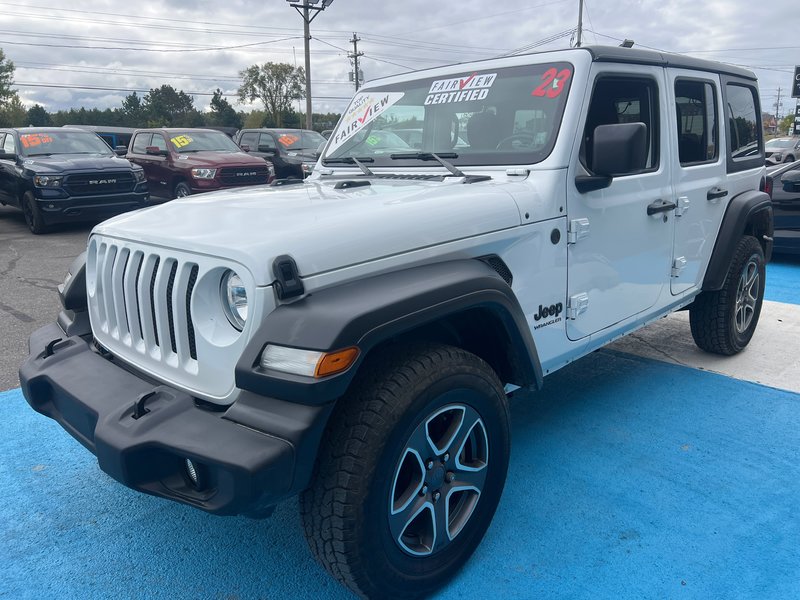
<point>664,59</point>
<point>619,54</point>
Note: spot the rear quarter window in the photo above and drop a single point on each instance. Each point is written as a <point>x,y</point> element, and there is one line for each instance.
<point>743,126</point>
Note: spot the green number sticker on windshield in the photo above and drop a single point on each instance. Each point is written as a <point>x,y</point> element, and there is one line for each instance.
<point>181,140</point>
<point>373,140</point>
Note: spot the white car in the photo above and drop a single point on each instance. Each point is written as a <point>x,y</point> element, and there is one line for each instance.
<point>351,337</point>
<point>782,150</point>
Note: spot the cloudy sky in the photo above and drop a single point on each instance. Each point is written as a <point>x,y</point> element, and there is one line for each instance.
<point>94,52</point>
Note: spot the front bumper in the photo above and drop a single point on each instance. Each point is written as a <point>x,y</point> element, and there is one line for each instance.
<point>250,455</point>
<point>83,208</point>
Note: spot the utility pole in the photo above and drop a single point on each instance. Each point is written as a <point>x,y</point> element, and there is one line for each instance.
<point>354,55</point>
<point>777,109</point>
<point>307,6</point>
<point>580,24</point>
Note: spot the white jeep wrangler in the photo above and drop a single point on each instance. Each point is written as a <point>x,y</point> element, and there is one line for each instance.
<point>352,337</point>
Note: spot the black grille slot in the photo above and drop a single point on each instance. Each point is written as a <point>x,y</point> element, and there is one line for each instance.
<point>244,175</point>
<point>501,268</point>
<point>153,298</point>
<point>408,177</point>
<point>170,315</point>
<point>93,184</point>
<point>192,281</point>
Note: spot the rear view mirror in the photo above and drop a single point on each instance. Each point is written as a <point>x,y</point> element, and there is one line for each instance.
<point>244,147</point>
<point>267,150</point>
<point>120,150</point>
<point>7,156</point>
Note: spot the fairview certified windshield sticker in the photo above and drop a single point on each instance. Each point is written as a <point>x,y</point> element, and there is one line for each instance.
<point>364,109</point>
<point>460,89</point>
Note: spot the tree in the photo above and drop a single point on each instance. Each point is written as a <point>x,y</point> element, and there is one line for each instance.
<point>786,124</point>
<point>168,107</point>
<point>6,80</point>
<point>13,113</point>
<point>275,84</point>
<point>38,116</point>
<point>222,113</point>
<point>133,111</point>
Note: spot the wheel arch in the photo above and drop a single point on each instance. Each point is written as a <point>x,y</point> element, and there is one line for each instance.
<point>749,213</point>
<point>464,303</point>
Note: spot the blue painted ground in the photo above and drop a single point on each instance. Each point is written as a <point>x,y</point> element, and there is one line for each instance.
<point>629,479</point>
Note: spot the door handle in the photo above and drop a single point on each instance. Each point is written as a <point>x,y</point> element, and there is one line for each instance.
<point>716,194</point>
<point>660,206</point>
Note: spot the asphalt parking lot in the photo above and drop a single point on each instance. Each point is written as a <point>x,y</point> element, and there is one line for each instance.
<point>636,473</point>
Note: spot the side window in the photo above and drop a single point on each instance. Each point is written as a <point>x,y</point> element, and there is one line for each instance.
<point>623,100</point>
<point>8,144</point>
<point>696,109</point>
<point>141,142</point>
<point>743,122</point>
<point>267,141</point>
<point>159,141</point>
<point>249,139</point>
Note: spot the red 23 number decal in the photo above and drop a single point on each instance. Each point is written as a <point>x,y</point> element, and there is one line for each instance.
<point>553,82</point>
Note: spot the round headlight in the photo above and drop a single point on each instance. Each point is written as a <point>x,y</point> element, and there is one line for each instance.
<point>234,299</point>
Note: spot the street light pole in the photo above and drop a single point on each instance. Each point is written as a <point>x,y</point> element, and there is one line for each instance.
<point>307,6</point>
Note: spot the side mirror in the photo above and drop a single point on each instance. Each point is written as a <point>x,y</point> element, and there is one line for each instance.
<point>618,149</point>
<point>8,156</point>
<point>156,151</point>
<point>244,147</point>
<point>791,182</point>
<point>120,150</point>
<point>267,150</point>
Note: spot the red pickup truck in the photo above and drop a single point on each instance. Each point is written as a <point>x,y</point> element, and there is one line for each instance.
<point>180,162</point>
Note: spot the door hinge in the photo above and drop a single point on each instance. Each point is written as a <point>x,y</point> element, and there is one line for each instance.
<point>577,304</point>
<point>683,206</point>
<point>678,265</point>
<point>578,229</point>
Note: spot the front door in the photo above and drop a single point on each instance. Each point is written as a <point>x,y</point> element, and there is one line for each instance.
<point>619,255</point>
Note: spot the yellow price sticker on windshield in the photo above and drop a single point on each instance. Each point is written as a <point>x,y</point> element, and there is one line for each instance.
<point>181,140</point>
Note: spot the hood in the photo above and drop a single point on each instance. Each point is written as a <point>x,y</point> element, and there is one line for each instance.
<point>62,163</point>
<point>322,228</point>
<point>218,159</point>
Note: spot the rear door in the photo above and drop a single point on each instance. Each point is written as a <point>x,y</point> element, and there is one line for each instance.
<point>701,191</point>
<point>619,255</point>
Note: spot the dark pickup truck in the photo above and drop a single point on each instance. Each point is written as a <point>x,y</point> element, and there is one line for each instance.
<point>58,175</point>
<point>180,162</point>
<point>293,152</point>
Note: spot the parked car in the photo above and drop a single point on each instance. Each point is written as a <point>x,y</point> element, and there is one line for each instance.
<point>116,137</point>
<point>61,174</point>
<point>180,162</point>
<point>293,152</point>
<point>782,150</point>
<point>785,186</point>
<point>352,337</point>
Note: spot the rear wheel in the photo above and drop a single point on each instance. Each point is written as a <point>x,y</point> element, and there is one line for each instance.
<point>411,472</point>
<point>33,214</point>
<point>723,321</point>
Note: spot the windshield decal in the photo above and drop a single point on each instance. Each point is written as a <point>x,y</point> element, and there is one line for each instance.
<point>553,82</point>
<point>460,89</point>
<point>181,140</point>
<point>364,109</point>
<point>288,139</point>
<point>31,140</point>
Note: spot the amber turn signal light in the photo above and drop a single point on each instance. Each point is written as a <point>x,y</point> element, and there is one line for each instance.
<point>336,362</point>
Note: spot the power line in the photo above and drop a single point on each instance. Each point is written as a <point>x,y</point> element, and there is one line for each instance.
<point>150,49</point>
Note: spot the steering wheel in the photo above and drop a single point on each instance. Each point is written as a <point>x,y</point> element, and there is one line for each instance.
<point>517,136</point>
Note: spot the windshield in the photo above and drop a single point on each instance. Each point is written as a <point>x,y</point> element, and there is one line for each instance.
<point>781,143</point>
<point>299,139</point>
<point>493,117</point>
<point>62,142</point>
<point>201,141</point>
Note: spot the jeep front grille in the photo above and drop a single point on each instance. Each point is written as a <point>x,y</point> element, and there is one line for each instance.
<point>244,175</point>
<point>93,184</point>
<point>143,301</point>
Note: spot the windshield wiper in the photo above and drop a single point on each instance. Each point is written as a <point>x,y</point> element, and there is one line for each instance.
<point>431,156</point>
<point>352,160</point>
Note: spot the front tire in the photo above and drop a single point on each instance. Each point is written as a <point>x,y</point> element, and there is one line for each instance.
<point>33,214</point>
<point>410,473</point>
<point>723,321</point>
<point>181,190</point>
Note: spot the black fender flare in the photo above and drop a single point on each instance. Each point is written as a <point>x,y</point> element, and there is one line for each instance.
<point>743,210</point>
<point>373,310</point>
